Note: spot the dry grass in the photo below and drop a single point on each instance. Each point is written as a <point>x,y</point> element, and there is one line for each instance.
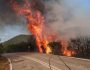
<point>4,64</point>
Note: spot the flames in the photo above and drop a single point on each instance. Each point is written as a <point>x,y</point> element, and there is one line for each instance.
<point>68,53</point>
<point>65,50</point>
<point>36,24</point>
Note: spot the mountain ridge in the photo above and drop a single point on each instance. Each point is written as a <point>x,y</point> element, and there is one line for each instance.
<point>17,39</point>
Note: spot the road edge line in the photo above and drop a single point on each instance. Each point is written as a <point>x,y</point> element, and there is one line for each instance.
<point>10,64</point>
<point>41,62</point>
<point>79,58</point>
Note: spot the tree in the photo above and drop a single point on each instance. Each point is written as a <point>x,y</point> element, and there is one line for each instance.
<point>1,49</point>
<point>56,47</point>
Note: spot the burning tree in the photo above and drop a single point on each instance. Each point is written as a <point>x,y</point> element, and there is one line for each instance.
<point>36,25</point>
<point>35,21</point>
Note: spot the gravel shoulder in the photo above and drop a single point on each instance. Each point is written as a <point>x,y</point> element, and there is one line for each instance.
<point>4,63</point>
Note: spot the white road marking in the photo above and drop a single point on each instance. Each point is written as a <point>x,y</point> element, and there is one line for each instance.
<point>78,58</point>
<point>41,62</point>
<point>51,59</point>
<point>73,58</point>
<point>10,64</point>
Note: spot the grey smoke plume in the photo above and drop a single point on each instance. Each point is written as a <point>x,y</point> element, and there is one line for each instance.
<point>68,18</point>
<point>11,24</point>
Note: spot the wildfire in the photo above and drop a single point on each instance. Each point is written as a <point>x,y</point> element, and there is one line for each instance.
<point>35,22</point>
<point>65,50</point>
<point>68,52</point>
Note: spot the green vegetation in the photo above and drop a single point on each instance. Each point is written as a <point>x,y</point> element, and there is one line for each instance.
<point>25,43</point>
<point>1,49</point>
<point>17,40</point>
<point>21,43</point>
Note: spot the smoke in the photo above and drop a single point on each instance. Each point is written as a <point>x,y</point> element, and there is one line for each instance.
<point>12,24</point>
<point>63,17</point>
<point>68,18</point>
<point>8,16</point>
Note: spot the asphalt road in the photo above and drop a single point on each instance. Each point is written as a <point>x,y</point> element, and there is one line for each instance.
<point>35,61</point>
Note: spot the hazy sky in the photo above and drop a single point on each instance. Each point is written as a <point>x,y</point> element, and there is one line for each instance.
<point>80,16</point>
<point>12,25</point>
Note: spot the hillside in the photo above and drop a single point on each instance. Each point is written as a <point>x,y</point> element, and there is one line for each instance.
<point>18,39</point>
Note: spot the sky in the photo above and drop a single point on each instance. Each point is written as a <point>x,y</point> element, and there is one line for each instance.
<point>69,18</point>
<point>77,19</point>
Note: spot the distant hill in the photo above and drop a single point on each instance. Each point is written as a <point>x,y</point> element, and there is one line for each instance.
<point>18,39</point>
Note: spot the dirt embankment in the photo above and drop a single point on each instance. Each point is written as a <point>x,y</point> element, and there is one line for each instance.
<point>4,63</point>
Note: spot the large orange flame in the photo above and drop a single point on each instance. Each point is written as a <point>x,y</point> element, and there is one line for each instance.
<point>35,22</point>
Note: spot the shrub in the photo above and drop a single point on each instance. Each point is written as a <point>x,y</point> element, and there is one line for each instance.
<point>1,49</point>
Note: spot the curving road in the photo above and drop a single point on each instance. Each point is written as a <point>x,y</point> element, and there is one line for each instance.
<point>35,61</point>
